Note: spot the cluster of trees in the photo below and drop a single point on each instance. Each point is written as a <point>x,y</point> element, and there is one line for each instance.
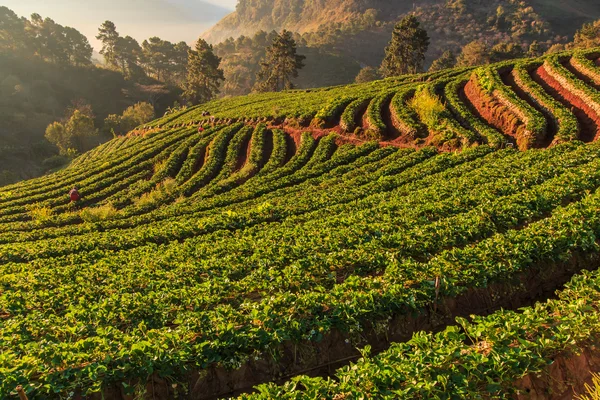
<point>77,133</point>
<point>406,51</point>
<point>44,38</point>
<point>278,67</point>
<point>156,58</point>
<point>135,115</point>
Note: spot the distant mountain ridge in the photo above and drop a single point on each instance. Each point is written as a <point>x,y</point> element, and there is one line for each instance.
<point>302,16</point>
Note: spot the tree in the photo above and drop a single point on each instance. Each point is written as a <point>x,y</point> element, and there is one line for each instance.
<point>446,60</point>
<point>506,51</point>
<point>108,35</point>
<point>405,53</point>
<point>79,50</point>
<point>81,130</point>
<point>127,55</point>
<point>164,60</point>
<point>139,114</point>
<point>76,134</point>
<point>535,49</point>
<point>588,36</point>
<point>367,74</point>
<point>12,31</point>
<point>280,65</point>
<point>474,53</point>
<point>56,133</point>
<point>556,48</point>
<point>203,74</point>
<point>133,116</point>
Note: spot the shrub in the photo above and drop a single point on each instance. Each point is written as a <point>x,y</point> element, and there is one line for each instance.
<point>162,191</point>
<point>39,212</point>
<point>100,213</point>
<point>428,107</point>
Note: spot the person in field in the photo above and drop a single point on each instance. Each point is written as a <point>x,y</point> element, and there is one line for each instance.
<point>74,194</point>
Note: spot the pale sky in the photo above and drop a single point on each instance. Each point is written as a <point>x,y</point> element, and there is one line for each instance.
<point>173,20</point>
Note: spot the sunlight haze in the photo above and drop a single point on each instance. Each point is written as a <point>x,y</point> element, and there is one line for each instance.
<point>173,20</point>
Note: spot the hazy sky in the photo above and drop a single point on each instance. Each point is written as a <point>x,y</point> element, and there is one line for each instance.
<point>173,20</point>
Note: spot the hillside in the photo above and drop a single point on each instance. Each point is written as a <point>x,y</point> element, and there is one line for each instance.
<point>297,16</point>
<point>320,238</point>
<point>360,30</point>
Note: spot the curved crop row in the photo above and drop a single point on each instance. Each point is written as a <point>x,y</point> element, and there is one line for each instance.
<point>565,120</point>
<point>460,110</point>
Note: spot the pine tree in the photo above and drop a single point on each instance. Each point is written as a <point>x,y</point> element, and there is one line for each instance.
<point>203,74</point>
<point>280,65</point>
<point>108,35</point>
<point>406,52</point>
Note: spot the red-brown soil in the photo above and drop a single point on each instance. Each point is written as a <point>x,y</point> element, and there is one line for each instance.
<point>567,375</point>
<point>588,119</point>
<point>494,113</point>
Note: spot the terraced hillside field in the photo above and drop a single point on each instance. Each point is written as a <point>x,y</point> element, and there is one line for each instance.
<point>300,231</point>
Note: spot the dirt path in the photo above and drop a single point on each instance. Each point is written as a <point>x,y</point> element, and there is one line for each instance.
<point>588,120</point>
<point>268,147</point>
<point>392,130</point>
<point>245,153</point>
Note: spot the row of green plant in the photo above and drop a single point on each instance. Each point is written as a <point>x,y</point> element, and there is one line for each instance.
<point>570,82</point>
<point>406,118</point>
<point>50,187</point>
<point>94,186</point>
<point>478,358</point>
<point>582,61</point>
<point>174,229</point>
<point>376,127</point>
<point>565,121</point>
<point>534,124</point>
<point>278,155</point>
<point>460,110</point>
<point>350,119</point>
<point>293,279</point>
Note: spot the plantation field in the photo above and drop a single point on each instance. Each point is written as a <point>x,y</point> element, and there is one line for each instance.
<point>299,230</point>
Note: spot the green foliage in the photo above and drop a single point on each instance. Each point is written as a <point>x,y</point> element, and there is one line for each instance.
<point>99,213</point>
<point>405,53</point>
<point>446,60</point>
<point>367,74</point>
<point>280,65</point>
<point>588,36</point>
<point>44,38</point>
<point>203,74</point>
<point>473,54</point>
<point>165,61</point>
<point>39,212</point>
<point>120,53</point>
<point>428,107</point>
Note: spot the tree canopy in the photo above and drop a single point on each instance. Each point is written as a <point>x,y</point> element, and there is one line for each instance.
<point>280,65</point>
<point>44,38</point>
<point>204,76</point>
<point>405,53</point>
